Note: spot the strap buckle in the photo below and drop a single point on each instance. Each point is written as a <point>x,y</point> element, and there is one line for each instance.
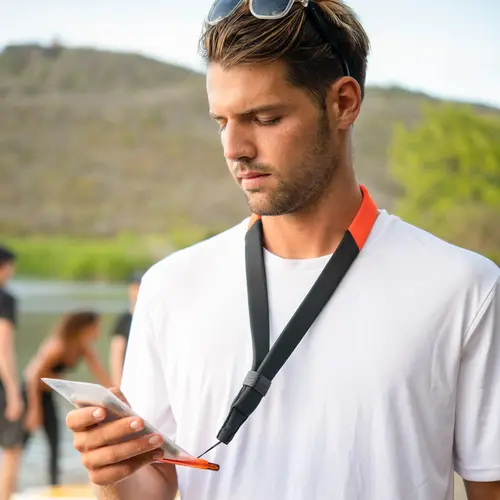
<point>258,382</point>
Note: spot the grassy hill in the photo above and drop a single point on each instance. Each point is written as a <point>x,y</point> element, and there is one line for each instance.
<point>97,143</point>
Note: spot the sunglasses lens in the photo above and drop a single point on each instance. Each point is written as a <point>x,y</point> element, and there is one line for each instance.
<point>270,8</point>
<point>221,9</point>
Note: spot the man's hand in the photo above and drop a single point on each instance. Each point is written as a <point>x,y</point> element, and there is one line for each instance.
<point>105,454</point>
<point>15,407</point>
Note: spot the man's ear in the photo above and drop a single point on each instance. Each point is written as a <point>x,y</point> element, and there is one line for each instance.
<point>344,97</point>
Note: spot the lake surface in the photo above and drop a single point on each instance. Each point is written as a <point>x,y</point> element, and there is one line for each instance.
<point>41,304</point>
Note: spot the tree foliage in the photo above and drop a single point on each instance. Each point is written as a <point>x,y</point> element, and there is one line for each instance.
<point>449,169</point>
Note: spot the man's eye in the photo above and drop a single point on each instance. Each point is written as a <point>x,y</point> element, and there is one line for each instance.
<point>267,123</point>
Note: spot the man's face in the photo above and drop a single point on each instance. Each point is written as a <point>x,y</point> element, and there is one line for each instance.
<point>278,144</point>
<point>7,270</point>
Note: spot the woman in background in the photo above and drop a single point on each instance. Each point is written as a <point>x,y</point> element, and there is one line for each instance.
<point>71,343</point>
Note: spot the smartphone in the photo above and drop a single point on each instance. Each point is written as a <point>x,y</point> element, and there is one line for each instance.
<point>83,394</point>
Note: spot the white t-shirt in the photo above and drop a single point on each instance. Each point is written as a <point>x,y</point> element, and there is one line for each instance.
<point>396,385</point>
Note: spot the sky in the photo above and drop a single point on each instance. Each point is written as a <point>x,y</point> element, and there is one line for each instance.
<point>446,48</point>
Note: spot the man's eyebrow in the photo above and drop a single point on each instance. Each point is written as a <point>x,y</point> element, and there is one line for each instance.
<point>252,111</point>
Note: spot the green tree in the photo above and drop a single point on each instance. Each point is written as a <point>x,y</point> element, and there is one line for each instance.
<point>449,169</point>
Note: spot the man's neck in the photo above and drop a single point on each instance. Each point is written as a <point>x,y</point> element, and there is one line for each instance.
<point>317,232</point>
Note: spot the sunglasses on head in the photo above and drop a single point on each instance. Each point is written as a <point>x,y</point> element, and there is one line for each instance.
<point>277,9</point>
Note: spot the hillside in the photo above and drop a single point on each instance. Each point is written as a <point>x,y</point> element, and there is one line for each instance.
<point>97,143</point>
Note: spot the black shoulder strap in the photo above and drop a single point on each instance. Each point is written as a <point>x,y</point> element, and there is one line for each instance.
<point>268,363</point>
<point>257,293</point>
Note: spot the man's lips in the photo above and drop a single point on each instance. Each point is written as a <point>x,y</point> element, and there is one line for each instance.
<point>252,180</point>
<point>251,175</point>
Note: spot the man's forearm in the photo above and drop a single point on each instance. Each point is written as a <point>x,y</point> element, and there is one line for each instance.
<point>8,375</point>
<point>8,366</point>
<point>482,491</point>
<point>149,483</point>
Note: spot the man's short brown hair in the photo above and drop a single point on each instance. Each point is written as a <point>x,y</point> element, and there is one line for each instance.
<point>312,65</point>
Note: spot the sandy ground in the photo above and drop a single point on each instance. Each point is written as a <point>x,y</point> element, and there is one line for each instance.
<point>459,489</point>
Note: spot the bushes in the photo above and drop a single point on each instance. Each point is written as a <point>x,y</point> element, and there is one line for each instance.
<point>66,258</point>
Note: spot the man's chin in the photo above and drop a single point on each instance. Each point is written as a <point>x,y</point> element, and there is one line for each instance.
<point>257,201</point>
<point>263,204</point>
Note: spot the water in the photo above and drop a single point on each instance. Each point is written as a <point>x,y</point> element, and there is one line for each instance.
<point>41,304</point>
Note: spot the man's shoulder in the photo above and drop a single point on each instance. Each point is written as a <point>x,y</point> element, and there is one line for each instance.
<point>7,296</point>
<point>201,257</point>
<point>7,306</point>
<point>425,249</point>
<point>122,324</point>
<point>7,299</point>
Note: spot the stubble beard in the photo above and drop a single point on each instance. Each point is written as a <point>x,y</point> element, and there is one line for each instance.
<point>307,183</point>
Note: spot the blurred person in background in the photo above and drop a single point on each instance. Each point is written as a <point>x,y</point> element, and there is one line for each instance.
<point>71,343</point>
<point>121,329</point>
<point>12,402</point>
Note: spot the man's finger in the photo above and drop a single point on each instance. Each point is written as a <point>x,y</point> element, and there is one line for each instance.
<point>113,474</point>
<point>82,418</point>
<point>107,433</point>
<point>109,455</point>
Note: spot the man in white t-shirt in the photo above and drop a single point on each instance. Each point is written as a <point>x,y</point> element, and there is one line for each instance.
<point>397,383</point>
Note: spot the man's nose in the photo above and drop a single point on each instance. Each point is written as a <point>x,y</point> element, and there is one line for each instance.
<point>238,143</point>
